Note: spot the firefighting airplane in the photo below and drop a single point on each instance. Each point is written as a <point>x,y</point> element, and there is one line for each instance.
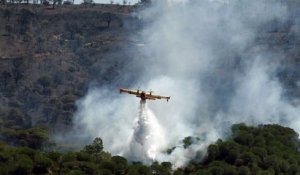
<point>144,95</point>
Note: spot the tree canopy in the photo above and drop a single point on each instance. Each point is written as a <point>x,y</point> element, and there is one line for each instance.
<point>262,150</point>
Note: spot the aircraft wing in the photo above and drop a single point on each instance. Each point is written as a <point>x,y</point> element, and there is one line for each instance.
<point>153,97</point>
<point>143,95</point>
<point>135,92</point>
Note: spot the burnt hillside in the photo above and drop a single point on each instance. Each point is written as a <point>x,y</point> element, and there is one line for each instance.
<point>49,57</point>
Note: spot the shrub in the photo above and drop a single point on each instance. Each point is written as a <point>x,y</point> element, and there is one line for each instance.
<point>23,165</point>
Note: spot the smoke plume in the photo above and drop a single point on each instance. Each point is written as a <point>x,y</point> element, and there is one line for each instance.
<point>210,57</point>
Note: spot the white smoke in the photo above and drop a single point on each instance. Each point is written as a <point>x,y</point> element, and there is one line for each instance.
<point>208,57</point>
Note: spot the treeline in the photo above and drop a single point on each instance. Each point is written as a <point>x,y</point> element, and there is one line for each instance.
<point>90,160</point>
<point>263,150</point>
<point>67,2</point>
<point>42,2</point>
<point>54,2</point>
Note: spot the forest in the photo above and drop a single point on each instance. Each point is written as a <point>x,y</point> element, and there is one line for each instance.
<point>261,150</point>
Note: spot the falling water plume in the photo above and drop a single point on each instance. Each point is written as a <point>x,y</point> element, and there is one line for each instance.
<point>147,135</point>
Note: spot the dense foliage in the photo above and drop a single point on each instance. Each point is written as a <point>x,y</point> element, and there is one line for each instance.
<point>263,150</point>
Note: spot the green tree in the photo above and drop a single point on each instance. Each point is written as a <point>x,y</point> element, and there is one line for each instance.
<point>36,137</point>
<point>244,170</point>
<point>105,172</point>
<point>230,170</point>
<point>42,164</point>
<point>178,172</point>
<point>187,141</point>
<point>54,156</point>
<point>161,169</point>
<point>109,165</point>
<point>23,165</point>
<point>212,152</point>
<point>68,157</point>
<point>121,164</point>
<point>259,151</point>
<point>167,166</point>
<point>216,170</point>
<point>95,147</point>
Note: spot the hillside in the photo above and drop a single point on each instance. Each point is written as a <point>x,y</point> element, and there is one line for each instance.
<point>49,57</point>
